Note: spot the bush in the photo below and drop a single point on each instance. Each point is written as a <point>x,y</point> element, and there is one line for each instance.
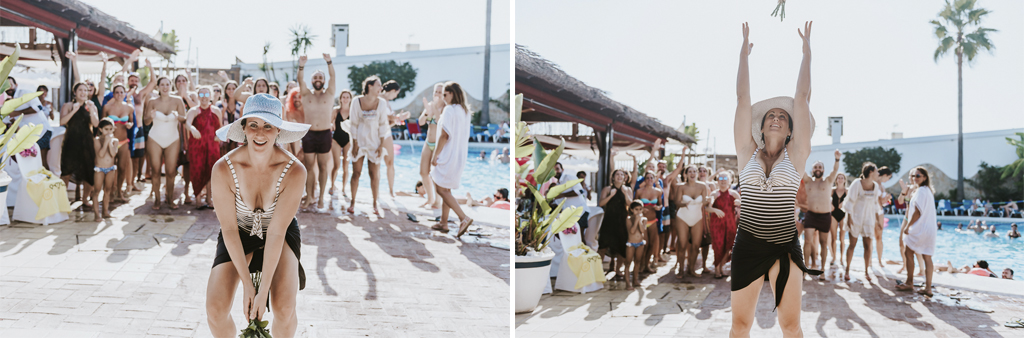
<point>853,161</point>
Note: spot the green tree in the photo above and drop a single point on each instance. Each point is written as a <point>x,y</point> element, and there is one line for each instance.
<point>1016,169</point>
<point>853,161</point>
<point>266,67</point>
<point>992,185</point>
<point>402,73</point>
<point>302,40</point>
<point>961,15</point>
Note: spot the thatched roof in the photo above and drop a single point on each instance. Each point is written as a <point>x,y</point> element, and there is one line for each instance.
<point>545,75</point>
<point>88,16</point>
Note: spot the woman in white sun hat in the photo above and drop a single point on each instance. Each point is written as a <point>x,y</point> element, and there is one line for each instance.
<point>256,193</point>
<point>773,140</point>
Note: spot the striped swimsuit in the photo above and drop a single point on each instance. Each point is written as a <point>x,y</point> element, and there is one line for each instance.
<point>767,228</point>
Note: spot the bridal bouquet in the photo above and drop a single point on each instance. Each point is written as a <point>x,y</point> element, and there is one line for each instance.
<point>256,328</point>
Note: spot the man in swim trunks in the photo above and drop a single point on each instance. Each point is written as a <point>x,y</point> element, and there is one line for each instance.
<point>818,218</point>
<point>316,145</point>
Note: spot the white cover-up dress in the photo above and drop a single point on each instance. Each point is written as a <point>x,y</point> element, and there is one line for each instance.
<point>862,208</point>
<point>452,158</point>
<point>921,237</point>
<point>367,127</point>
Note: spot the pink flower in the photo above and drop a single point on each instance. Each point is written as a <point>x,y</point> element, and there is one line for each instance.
<point>30,152</point>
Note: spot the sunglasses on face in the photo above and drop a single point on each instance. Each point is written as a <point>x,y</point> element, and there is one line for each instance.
<point>204,94</point>
<point>916,175</point>
<point>723,178</point>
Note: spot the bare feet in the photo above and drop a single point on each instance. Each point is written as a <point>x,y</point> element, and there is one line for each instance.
<point>106,215</point>
<point>926,293</point>
<point>351,210</point>
<point>904,287</point>
<point>188,200</point>
<point>320,204</point>
<point>173,206</point>
<point>156,205</point>
<point>98,217</point>
<point>867,276</point>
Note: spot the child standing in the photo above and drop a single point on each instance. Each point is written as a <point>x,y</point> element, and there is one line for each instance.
<point>637,232</point>
<point>106,150</point>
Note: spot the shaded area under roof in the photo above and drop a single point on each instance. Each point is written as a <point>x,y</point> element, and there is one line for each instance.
<point>534,72</point>
<point>61,16</point>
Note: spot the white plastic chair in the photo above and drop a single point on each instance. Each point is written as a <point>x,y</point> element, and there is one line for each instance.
<point>25,209</point>
<point>565,279</point>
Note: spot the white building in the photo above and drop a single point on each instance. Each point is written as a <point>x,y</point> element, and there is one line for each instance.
<point>463,65</point>
<point>939,151</point>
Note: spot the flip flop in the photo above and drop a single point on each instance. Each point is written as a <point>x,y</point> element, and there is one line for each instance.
<point>438,227</point>
<point>719,276</point>
<point>411,217</point>
<point>1016,323</point>
<point>926,294</point>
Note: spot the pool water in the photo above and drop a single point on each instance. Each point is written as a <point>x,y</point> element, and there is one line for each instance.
<point>481,178</point>
<point>962,248</point>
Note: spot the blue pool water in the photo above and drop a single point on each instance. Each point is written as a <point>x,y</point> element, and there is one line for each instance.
<point>962,248</point>
<point>480,178</point>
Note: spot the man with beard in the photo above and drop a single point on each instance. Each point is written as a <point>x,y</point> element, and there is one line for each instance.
<point>316,145</point>
<point>817,219</point>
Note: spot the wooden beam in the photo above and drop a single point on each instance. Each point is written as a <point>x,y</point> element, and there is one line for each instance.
<point>579,114</point>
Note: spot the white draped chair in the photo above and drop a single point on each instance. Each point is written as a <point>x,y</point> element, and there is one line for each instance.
<point>25,209</point>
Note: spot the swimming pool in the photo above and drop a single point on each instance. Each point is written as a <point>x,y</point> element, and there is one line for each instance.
<point>480,178</point>
<point>962,248</point>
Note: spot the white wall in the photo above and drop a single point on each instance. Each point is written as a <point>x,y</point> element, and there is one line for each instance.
<point>463,65</point>
<point>940,151</point>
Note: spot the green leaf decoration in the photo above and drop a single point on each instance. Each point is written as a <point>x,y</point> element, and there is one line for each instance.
<point>538,156</point>
<point>539,199</point>
<point>11,105</point>
<point>671,165</point>
<point>7,65</point>
<point>25,138</point>
<point>554,191</point>
<point>545,170</point>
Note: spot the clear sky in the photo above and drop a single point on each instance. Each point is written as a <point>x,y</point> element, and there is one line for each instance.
<point>223,30</point>
<point>872,62</point>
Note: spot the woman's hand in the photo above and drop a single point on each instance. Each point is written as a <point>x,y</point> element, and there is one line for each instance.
<point>90,107</point>
<point>805,35</point>
<point>75,106</point>
<point>903,187</point>
<point>718,212</point>
<point>195,132</point>
<point>906,230</point>
<point>248,296</point>
<point>746,40</point>
<point>259,306</point>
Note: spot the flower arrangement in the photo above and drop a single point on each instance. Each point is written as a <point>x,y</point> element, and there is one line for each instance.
<point>536,220</point>
<point>32,151</point>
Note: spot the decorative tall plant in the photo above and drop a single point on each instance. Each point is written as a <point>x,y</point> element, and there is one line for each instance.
<point>961,15</point>
<point>537,221</point>
<point>13,140</point>
<point>1017,167</point>
<point>302,40</point>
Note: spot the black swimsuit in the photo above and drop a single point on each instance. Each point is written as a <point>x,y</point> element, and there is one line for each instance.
<point>837,213</point>
<point>340,135</point>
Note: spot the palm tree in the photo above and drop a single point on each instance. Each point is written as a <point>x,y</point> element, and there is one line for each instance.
<point>302,40</point>
<point>959,15</point>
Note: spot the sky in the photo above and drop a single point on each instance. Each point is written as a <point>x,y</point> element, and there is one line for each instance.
<point>222,30</point>
<point>872,62</point>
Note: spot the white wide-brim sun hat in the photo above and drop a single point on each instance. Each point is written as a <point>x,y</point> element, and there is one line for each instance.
<point>267,108</point>
<point>760,108</point>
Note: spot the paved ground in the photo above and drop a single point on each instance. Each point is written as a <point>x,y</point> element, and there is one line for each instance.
<point>700,307</point>
<point>145,275</point>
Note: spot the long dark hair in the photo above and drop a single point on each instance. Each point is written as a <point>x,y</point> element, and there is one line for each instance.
<point>106,121</point>
<point>927,178</point>
<point>866,169</point>
<point>264,82</point>
<point>458,97</point>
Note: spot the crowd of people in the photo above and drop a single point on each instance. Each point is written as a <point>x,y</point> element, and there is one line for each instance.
<point>168,126</point>
<point>227,140</point>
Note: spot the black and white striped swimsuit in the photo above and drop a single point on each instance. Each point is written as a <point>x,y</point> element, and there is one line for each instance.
<point>769,202</point>
<point>257,220</point>
<point>767,229</point>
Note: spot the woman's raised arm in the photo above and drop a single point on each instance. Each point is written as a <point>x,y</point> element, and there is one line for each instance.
<point>801,114</point>
<point>741,128</point>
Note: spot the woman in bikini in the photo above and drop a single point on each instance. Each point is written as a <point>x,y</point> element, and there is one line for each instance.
<point>650,195</point>
<point>773,140</point>
<point>431,114</point>
<point>259,233</point>
<point>341,145</point>
<point>122,114</point>
<point>165,113</point>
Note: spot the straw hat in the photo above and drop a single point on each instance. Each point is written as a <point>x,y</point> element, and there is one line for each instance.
<point>267,108</point>
<point>758,110</point>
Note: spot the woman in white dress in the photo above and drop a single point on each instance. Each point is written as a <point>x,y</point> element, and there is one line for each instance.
<point>861,208</point>
<point>369,126</point>
<point>919,229</point>
<point>450,155</point>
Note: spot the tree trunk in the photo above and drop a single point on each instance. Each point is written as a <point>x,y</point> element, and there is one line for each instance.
<point>960,126</point>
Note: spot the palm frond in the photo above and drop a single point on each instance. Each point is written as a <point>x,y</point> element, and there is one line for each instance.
<point>940,30</point>
<point>974,16</point>
<point>969,50</point>
<point>944,47</point>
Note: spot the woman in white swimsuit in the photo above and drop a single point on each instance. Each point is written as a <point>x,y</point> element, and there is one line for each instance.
<point>164,113</point>
<point>690,198</point>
